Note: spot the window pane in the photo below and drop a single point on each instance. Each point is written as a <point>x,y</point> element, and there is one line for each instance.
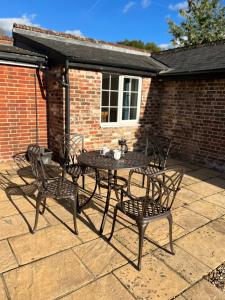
<point>105,114</point>
<point>133,101</point>
<point>133,113</point>
<point>105,98</point>
<point>114,99</point>
<point>113,114</point>
<point>114,82</point>
<point>105,81</point>
<point>125,114</point>
<point>134,85</point>
<point>125,99</point>
<point>126,84</point>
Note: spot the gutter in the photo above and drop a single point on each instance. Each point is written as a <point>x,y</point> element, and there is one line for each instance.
<point>66,84</point>
<point>13,63</point>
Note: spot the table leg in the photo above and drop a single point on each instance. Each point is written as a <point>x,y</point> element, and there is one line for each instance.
<point>110,178</point>
<point>115,181</point>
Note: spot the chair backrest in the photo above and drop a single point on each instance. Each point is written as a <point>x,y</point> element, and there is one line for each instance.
<point>162,188</point>
<point>34,154</point>
<point>157,148</point>
<point>71,146</point>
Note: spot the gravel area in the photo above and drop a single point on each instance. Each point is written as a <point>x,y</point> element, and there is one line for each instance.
<point>217,277</point>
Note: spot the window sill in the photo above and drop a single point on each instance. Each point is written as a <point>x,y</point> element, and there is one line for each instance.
<point>116,125</point>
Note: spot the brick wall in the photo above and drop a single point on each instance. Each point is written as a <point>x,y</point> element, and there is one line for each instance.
<point>18,110</point>
<point>85,89</point>
<point>193,113</point>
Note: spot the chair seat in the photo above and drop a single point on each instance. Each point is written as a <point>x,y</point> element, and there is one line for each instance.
<point>147,170</point>
<point>134,208</point>
<point>59,188</point>
<point>75,170</point>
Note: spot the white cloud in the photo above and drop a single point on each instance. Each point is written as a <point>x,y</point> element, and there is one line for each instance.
<point>128,6</point>
<point>145,3</point>
<point>7,23</point>
<point>165,46</point>
<point>179,5</point>
<point>75,32</point>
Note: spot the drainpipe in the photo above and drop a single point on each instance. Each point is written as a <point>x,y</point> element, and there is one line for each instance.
<point>66,84</point>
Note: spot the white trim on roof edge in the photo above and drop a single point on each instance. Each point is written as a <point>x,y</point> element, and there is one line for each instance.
<point>13,63</point>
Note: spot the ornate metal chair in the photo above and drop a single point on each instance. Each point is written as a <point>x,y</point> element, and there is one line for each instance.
<point>161,191</point>
<point>157,148</point>
<point>71,146</point>
<point>58,188</point>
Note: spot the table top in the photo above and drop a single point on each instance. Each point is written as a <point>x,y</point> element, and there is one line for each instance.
<point>130,160</point>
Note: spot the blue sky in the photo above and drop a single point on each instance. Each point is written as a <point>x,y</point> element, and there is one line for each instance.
<point>109,20</point>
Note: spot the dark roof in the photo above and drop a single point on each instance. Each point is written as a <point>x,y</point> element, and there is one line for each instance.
<point>12,53</point>
<point>191,60</point>
<point>92,54</point>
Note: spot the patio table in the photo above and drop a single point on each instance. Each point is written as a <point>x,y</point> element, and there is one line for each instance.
<point>95,160</point>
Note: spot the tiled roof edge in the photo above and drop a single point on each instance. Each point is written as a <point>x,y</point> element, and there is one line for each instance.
<point>72,37</point>
<point>6,38</point>
<point>179,49</point>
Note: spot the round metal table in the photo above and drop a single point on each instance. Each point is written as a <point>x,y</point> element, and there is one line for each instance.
<point>95,160</point>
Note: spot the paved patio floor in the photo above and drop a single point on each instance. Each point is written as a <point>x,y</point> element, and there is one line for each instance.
<point>56,264</point>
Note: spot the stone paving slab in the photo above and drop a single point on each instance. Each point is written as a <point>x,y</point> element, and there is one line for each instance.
<point>128,237</point>
<point>218,225</point>
<point>105,288</point>
<point>154,281</point>
<point>203,290</point>
<point>44,242</point>
<point>206,209</point>
<point>47,278</point>
<point>206,244</point>
<point>2,291</point>
<point>207,188</point>
<point>188,219</point>
<point>187,196</point>
<point>16,225</point>
<point>159,231</point>
<point>202,174</point>
<point>101,257</point>
<point>217,199</point>
<point>7,259</point>
<point>190,268</point>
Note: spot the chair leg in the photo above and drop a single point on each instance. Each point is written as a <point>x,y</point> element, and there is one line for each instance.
<point>141,229</point>
<point>143,181</point>
<point>74,203</point>
<point>38,203</point>
<point>113,224</point>
<point>83,181</point>
<point>44,206</point>
<point>78,205</point>
<point>170,220</point>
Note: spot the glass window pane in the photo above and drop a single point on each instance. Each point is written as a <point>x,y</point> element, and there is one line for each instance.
<point>125,99</point>
<point>114,99</point>
<point>114,82</point>
<point>105,98</point>
<point>126,84</point>
<point>133,100</point>
<point>133,113</point>
<point>113,114</point>
<point>105,114</point>
<point>125,114</point>
<point>105,81</point>
<point>134,85</point>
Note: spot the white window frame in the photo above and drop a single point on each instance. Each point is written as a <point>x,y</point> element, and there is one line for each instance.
<point>120,122</point>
